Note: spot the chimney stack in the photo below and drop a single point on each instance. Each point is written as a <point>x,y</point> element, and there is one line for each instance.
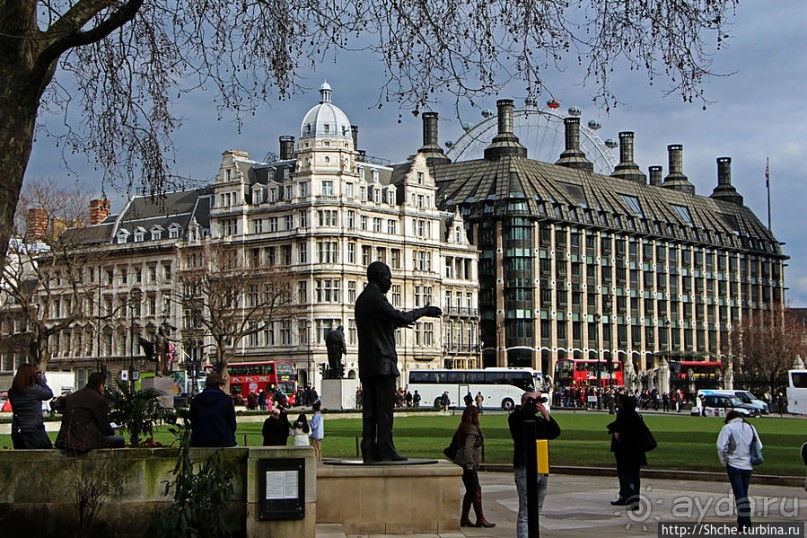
<point>505,143</point>
<point>37,223</point>
<point>354,133</point>
<point>573,157</point>
<point>676,179</point>
<point>286,148</point>
<point>627,168</point>
<point>725,190</point>
<point>431,146</point>
<point>99,210</point>
<point>655,176</point>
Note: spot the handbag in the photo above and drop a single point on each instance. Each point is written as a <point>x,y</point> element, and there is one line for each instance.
<point>648,441</point>
<point>450,451</point>
<point>756,451</point>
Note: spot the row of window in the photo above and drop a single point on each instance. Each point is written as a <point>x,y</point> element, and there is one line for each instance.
<point>155,233</point>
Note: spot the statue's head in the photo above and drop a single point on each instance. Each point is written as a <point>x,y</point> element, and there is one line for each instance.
<point>379,273</point>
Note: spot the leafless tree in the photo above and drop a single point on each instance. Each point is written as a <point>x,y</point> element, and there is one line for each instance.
<point>766,345</point>
<point>45,281</point>
<point>123,63</point>
<point>230,298</point>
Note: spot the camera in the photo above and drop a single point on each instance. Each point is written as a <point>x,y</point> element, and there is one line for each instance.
<point>542,399</point>
<point>531,401</point>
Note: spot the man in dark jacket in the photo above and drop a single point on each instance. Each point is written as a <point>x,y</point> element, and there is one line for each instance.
<point>212,415</point>
<point>376,321</point>
<point>85,422</point>
<point>532,404</point>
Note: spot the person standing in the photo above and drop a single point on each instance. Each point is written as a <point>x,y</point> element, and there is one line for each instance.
<point>317,430</point>
<point>627,444</point>
<point>85,419</point>
<point>28,391</point>
<point>469,442</point>
<point>479,399</point>
<point>299,431</point>
<point>532,405</point>
<point>276,428</point>
<point>212,415</point>
<point>376,321</point>
<point>416,399</point>
<point>734,451</point>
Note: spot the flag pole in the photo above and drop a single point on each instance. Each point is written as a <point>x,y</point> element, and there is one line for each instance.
<point>768,188</point>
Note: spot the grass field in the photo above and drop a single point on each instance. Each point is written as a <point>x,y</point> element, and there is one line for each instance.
<point>684,442</point>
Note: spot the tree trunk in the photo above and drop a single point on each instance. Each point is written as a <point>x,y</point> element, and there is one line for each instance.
<point>19,101</point>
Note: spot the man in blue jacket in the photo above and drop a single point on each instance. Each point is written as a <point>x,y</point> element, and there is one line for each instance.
<point>212,416</point>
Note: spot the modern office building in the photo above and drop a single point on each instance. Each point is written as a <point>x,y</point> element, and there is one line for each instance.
<point>579,264</point>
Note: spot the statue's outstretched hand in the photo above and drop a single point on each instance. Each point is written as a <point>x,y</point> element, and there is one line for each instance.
<point>430,312</point>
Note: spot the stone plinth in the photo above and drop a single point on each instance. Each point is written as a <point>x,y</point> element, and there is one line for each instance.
<point>390,499</point>
<point>164,385</point>
<point>339,393</point>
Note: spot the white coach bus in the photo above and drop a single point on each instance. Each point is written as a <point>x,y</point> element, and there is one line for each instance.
<point>501,387</point>
<point>797,392</point>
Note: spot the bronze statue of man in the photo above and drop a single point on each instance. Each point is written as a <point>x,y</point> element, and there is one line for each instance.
<point>376,321</point>
<point>335,343</point>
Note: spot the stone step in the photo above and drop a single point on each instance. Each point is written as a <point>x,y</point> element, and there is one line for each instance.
<point>330,530</point>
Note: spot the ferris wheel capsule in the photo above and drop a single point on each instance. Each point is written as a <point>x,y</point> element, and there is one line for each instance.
<point>449,143</point>
<point>553,103</point>
<point>611,143</point>
<point>575,111</point>
<point>594,125</point>
<point>487,113</point>
<point>467,126</point>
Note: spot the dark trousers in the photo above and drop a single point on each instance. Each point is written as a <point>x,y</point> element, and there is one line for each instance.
<point>378,401</point>
<point>630,485</point>
<point>740,479</point>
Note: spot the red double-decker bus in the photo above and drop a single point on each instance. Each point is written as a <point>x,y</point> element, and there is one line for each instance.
<point>269,376</point>
<point>703,374</point>
<point>583,373</point>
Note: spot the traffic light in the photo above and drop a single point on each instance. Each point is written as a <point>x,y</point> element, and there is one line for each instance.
<point>322,366</point>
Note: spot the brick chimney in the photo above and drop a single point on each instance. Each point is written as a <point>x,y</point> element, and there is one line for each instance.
<point>36,221</point>
<point>99,210</point>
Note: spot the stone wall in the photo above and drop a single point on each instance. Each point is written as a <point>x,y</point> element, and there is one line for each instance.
<point>38,490</point>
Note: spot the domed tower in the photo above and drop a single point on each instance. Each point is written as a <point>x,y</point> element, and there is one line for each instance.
<point>326,122</point>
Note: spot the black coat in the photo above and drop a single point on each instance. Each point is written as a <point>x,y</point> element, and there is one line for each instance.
<point>543,430</point>
<point>85,421</point>
<point>276,430</point>
<point>212,417</point>
<point>628,450</point>
<point>376,321</point>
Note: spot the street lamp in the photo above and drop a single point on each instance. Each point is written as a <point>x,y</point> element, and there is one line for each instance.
<point>597,319</point>
<point>134,303</point>
<point>305,323</point>
<point>609,359</point>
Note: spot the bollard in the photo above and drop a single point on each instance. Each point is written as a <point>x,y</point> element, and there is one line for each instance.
<point>358,448</point>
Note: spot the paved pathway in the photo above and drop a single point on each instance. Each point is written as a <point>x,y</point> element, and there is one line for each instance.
<point>579,506</point>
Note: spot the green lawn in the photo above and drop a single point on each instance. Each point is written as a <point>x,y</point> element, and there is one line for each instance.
<point>684,442</point>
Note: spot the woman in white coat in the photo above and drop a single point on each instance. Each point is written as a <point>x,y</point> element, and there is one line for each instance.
<point>734,450</point>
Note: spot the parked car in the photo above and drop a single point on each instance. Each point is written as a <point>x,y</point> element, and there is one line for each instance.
<point>717,403</point>
<point>747,397</point>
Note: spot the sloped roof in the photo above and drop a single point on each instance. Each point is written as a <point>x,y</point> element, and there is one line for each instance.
<point>520,186</point>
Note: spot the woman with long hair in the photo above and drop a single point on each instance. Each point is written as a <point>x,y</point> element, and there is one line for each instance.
<point>299,431</point>
<point>28,391</point>
<point>469,441</point>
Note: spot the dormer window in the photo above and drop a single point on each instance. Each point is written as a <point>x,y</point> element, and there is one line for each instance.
<point>122,237</point>
<point>157,233</point>
<point>139,235</point>
<point>327,128</point>
<point>420,178</point>
<point>174,231</point>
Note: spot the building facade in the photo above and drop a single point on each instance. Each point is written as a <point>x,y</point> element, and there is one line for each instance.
<point>576,264</point>
<point>319,214</point>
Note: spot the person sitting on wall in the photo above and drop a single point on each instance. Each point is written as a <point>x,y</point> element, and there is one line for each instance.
<point>85,424</point>
<point>212,415</point>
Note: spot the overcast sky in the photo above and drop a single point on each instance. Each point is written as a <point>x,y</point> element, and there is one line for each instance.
<point>758,112</point>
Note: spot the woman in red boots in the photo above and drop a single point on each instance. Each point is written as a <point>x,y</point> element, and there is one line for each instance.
<point>470,440</point>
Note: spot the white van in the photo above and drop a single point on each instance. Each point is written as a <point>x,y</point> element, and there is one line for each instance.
<point>717,403</point>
